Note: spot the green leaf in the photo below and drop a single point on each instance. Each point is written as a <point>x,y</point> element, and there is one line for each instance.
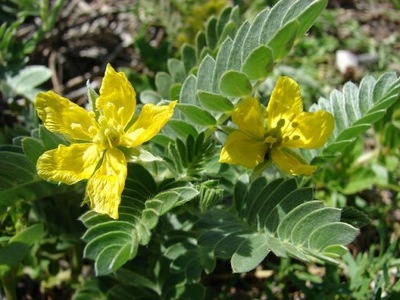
<point>188,91</point>
<point>211,28</point>
<point>11,255</point>
<point>181,129</point>
<point>226,47</point>
<point>175,91</point>
<point>188,53</point>
<point>131,277</point>
<point>196,115</point>
<point>235,56</point>
<point>215,102</point>
<point>235,84</point>
<point>30,235</point>
<point>277,217</point>
<point>224,19</point>
<point>305,14</point>
<point>189,157</point>
<point>205,69</point>
<point>26,81</point>
<point>259,63</point>
<point>251,41</point>
<point>201,43</point>
<point>21,182</point>
<point>190,258</point>
<point>90,289</point>
<point>33,148</point>
<point>274,20</point>
<point>49,139</point>
<point>356,109</point>
<point>149,96</point>
<point>228,32</point>
<point>282,41</point>
<point>396,118</point>
<point>111,243</point>
<point>339,234</point>
<point>163,82</point>
<point>177,70</point>
<point>250,253</point>
<point>354,217</point>
<point>221,64</point>
<point>363,178</point>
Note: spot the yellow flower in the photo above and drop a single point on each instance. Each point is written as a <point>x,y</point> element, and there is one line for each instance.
<point>97,139</point>
<point>272,133</point>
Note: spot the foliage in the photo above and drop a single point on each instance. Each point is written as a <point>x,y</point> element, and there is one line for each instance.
<point>14,52</point>
<point>183,214</point>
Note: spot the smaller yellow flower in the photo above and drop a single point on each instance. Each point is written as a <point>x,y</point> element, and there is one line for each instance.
<point>274,132</point>
<point>97,139</point>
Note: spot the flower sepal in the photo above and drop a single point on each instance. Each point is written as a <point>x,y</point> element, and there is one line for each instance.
<point>260,168</point>
<point>92,97</point>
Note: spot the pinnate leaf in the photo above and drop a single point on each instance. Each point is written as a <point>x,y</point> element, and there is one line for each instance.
<point>267,220</point>
<point>111,243</point>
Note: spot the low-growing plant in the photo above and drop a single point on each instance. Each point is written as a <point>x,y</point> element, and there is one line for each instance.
<point>221,162</point>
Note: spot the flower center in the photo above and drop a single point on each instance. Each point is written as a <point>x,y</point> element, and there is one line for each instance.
<point>110,133</point>
<point>282,132</point>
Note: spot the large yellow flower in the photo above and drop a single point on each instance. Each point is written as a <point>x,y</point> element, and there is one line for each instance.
<point>274,132</point>
<point>97,139</point>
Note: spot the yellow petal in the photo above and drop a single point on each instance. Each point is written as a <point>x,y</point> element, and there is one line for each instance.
<point>289,163</point>
<point>151,119</point>
<point>69,164</point>
<point>285,102</point>
<point>313,130</point>
<point>117,98</point>
<point>240,149</point>
<point>63,116</point>
<point>248,117</point>
<point>105,187</point>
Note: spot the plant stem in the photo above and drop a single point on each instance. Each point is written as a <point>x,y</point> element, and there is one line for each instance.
<point>9,285</point>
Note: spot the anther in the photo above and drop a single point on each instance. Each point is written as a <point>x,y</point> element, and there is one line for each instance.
<point>120,111</point>
<point>296,137</point>
<point>280,123</point>
<point>92,130</point>
<point>76,126</point>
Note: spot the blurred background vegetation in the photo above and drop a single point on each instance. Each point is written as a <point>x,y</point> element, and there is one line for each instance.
<point>60,44</point>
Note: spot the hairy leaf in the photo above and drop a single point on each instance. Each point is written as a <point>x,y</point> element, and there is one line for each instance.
<point>278,217</point>
<point>111,243</point>
<point>225,50</point>
<point>356,109</point>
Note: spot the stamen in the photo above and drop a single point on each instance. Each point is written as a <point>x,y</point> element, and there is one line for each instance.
<point>92,130</point>
<point>102,121</point>
<point>75,126</point>
<point>110,105</point>
<point>270,141</point>
<point>107,135</point>
<point>294,124</point>
<point>120,111</point>
<point>280,123</point>
<point>292,117</point>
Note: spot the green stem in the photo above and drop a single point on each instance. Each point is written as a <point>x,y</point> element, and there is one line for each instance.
<point>257,171</point>
<point>9,285</point>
